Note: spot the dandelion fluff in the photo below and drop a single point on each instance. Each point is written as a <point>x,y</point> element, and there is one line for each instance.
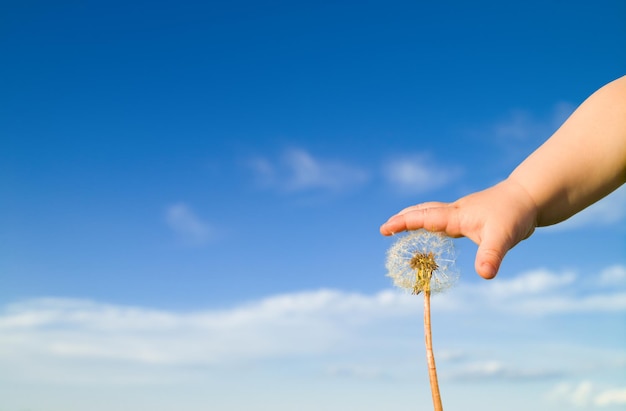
<point>401,261</point>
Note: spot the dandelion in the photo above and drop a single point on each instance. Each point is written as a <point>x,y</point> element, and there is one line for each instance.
<point>434,252</point>
<point>422,261</point>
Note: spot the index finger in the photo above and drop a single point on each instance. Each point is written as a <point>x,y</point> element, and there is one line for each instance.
<point>421,206</point>
<point>438,217</point>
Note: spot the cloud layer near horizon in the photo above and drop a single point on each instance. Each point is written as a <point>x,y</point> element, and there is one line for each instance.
<point>299,324</point>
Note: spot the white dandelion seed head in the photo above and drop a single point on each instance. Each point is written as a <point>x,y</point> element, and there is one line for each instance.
<point>406,247</point>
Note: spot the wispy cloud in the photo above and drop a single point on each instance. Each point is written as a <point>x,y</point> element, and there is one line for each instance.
<point>539,292</point>
<point>299,170</point>
<point>587,394</point>
<point>613,276</point>
<point>615,396</point>
<point>529,283</point>
<point>495,370</point>
<point>578,395</point>
<point>189,228</point>
<point>283,325</point>
<point>418,173</point>
<point>356,371</point>
<point>522,125</point>
<point>613,302</point>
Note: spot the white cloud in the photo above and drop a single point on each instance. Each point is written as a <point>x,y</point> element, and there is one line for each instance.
<point>536,292</point>
<point>298,170</point>
<point>418,173</point>
<point>522,125</point>
<point>519,126</point>
<point>531,282</point>
<point>283,325</point>
<point>40,336</point>
<point>487,370</point>
<point>615,302</point>
<point>585,394</point>
<point>615,396</point>
<point>613,276</point>
<point>578,395</point>
<point>356,371</point>
<point>187,225</point>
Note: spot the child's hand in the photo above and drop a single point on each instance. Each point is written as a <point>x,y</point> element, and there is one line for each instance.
<point>496,219</point>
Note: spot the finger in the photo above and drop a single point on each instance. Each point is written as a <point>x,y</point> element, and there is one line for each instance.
<point>430,204</point>
<point>395,224</point>
<point>442,218</point>
<point>489,256</point>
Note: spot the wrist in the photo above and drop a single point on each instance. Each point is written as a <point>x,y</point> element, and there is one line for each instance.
<point>524,200</point>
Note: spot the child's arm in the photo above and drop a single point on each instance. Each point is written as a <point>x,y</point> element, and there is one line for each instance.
<point>582,162</point>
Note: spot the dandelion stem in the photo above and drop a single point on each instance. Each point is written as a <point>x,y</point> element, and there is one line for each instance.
<point>423,262</point>
<point>430,356</point>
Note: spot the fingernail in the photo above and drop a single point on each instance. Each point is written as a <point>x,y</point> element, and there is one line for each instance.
<point>488,270</point>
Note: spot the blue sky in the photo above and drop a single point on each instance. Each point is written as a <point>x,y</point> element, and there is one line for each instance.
<point>191,195</point>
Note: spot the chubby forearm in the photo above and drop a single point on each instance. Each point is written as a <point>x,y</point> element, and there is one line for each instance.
<point>582,162</point>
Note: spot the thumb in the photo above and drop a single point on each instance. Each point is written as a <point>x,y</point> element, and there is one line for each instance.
<point>489,256</point>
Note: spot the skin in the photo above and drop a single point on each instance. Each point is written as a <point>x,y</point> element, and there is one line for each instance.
<point>582,162</point>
